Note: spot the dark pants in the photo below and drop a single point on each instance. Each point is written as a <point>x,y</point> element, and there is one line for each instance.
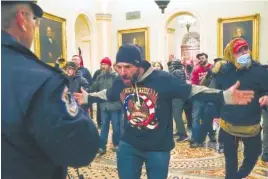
<point>187,107</point>
<point>177,108</point>
<point>210,112</point>
<point>98,116</point>
<point>252,150</point>
<point>198,111</point>
<point>130,161</point>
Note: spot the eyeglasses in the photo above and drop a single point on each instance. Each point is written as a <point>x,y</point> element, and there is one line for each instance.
<point>36,19</point>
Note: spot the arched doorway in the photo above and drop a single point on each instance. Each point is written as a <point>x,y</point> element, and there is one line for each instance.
<point>83,40</point>
<point>182,35</point>
<point>190,47</point>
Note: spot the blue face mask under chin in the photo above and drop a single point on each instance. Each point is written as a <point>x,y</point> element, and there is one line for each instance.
<point>244,60</point>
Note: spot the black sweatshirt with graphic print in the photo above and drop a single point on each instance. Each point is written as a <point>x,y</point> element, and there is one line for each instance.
<point>148,108</point>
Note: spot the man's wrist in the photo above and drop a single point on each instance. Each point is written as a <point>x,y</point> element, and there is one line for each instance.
<point>85,95</point>
<point>227,96</point>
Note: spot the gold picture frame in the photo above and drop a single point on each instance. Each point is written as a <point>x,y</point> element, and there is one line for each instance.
<point>246,27</point>
<point>139,36</point>
<point>50,39</point>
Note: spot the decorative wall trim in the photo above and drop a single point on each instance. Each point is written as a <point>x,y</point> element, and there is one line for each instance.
<point>133,15</point>
<point>171,30</point>
<point>103,17</point>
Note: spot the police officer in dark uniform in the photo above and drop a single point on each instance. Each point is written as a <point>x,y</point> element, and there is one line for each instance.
<point>43,128</point>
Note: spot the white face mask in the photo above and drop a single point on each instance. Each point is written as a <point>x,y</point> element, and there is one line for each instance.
<point>244,60</point>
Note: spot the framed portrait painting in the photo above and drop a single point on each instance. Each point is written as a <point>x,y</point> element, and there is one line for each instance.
<point>50,39</point>
<point>246,27</point>
<point>139,36</point>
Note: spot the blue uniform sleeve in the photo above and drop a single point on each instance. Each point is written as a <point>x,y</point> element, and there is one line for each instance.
<point>61,128</point>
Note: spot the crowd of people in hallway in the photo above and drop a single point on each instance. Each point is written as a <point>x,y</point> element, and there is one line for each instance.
<point>203,115</point>
<point>47,122</point>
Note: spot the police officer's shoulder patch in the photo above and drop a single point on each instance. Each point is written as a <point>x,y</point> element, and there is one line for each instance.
<point>70,103</point>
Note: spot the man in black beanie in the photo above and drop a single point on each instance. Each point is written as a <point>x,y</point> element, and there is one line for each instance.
<point>146,95</point>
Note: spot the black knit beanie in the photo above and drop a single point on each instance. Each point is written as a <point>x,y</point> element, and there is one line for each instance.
<point>129,53</point>
<point>72,65</point>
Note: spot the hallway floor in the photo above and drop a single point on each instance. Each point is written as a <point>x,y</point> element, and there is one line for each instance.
<point>186,163</point>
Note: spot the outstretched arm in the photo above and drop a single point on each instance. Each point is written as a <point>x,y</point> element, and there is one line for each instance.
<point>112,94</point>
<point>85,97</point>
<point>231,96</point>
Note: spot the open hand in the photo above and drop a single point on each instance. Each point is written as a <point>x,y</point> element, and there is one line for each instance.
<point>171,57</point>
<point>239,97</point>
<point>81,98</point>
<point>263,100</point>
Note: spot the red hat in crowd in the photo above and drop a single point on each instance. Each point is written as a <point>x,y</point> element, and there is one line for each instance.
<point>107,61</point>
<point>238,43</point>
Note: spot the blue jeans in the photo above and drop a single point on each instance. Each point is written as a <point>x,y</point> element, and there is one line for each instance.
<point>122,122</point>
<point>106,117</point>
<point>198,109</point>
<point>130,161</point>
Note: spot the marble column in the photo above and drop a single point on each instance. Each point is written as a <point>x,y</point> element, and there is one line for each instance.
<point>170,39</point>
<point>104,35</point>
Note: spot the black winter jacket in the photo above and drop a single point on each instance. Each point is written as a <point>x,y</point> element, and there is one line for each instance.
<point>76,82</point>
<point>254,78</point>
<point>175,68</point>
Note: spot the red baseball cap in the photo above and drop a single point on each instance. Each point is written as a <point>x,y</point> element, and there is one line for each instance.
<point>238,43</point>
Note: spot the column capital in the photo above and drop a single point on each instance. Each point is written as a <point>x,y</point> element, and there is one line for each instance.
<point>170,30</point>
<point>103,17</point>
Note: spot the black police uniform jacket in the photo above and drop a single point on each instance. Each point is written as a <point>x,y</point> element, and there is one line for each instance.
<point>43,129</point>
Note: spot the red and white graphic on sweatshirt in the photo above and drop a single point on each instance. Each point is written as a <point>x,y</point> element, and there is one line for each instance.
<point>140,107</point>
<point>199,73</point>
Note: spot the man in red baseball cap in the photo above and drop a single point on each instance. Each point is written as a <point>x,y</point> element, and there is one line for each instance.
<point>240,47</point>
<point>239,53</point>
<point>241,123</point>
<point>238,44</point>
